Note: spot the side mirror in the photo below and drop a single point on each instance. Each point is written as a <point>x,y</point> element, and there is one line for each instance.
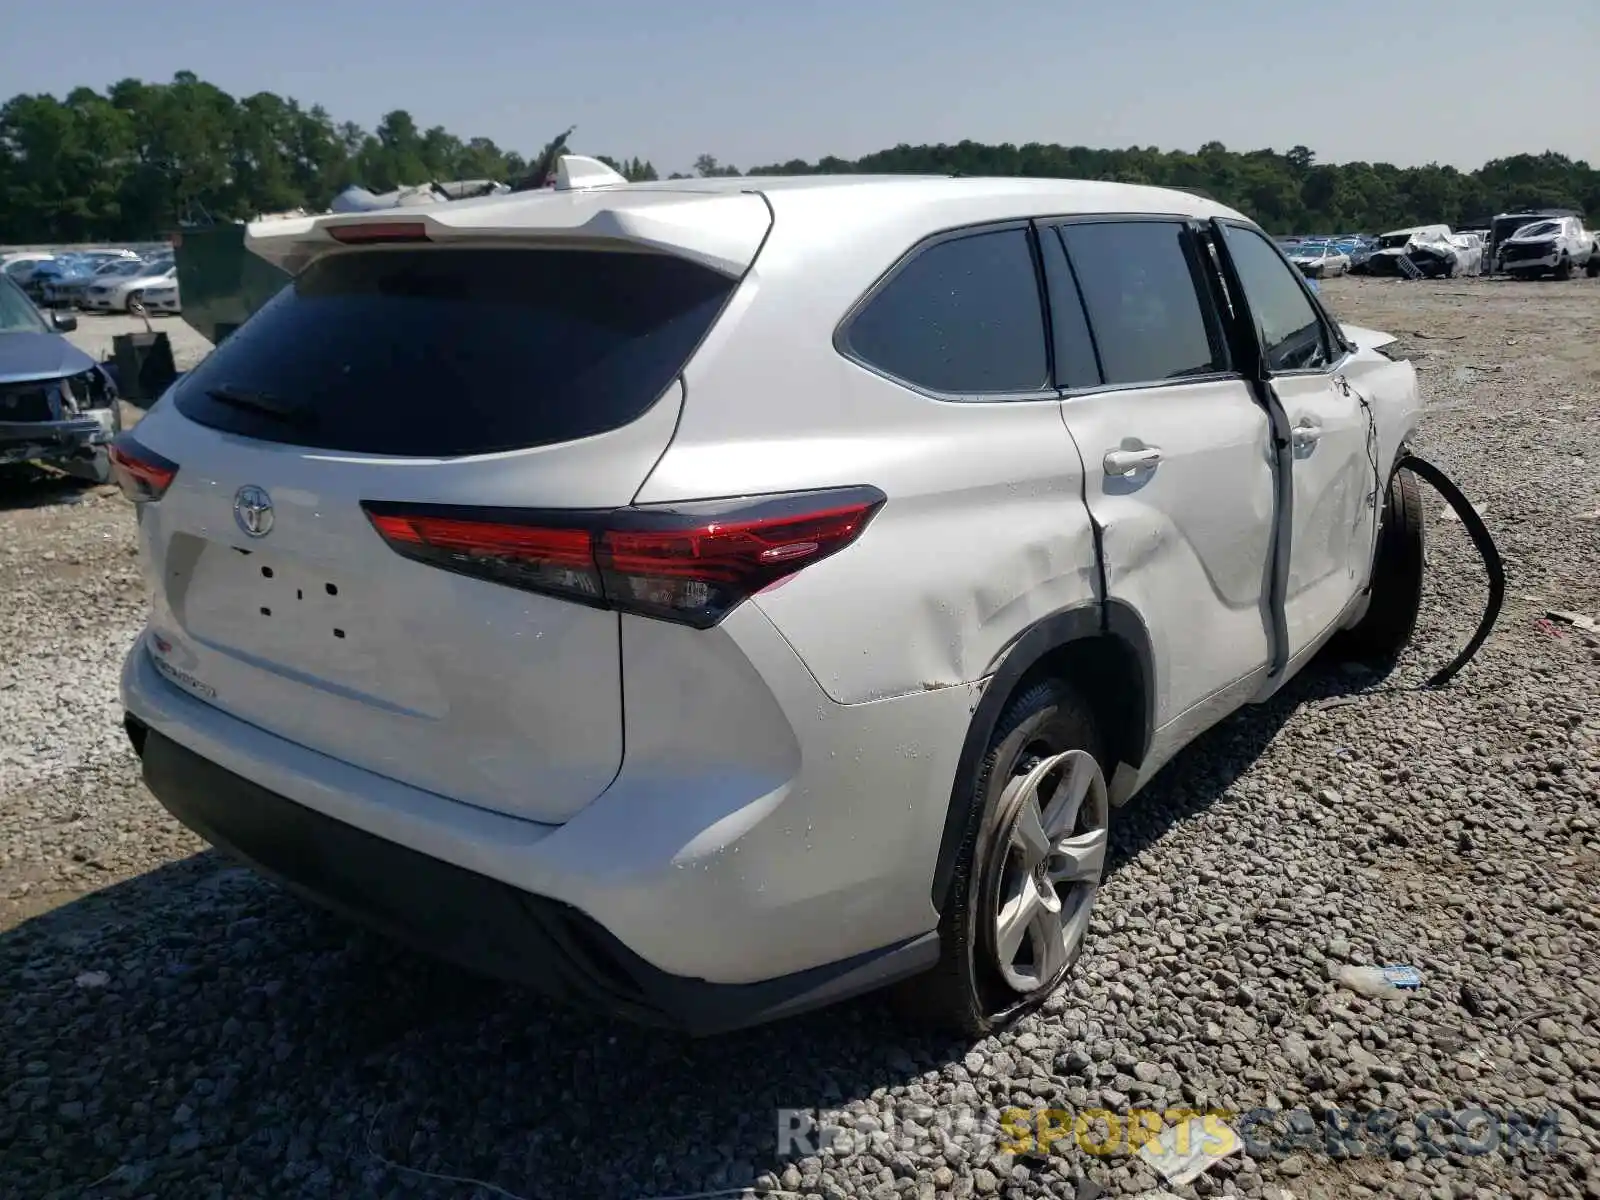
<point>63,322</point>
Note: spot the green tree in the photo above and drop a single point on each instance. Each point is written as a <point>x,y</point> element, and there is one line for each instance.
<point>136,159</point>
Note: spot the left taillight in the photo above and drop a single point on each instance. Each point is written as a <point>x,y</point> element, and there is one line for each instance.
<point>689,563</point>
<point>141,473</point>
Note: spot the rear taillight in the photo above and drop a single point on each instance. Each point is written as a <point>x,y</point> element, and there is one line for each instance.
<point>690,563</point>
<point>141,473</point>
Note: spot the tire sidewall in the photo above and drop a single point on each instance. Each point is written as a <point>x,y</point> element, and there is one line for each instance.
<point>1052,711</point>
<point>1397,571</point>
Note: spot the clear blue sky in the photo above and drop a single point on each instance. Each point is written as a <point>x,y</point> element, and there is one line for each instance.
<point>759,81</point>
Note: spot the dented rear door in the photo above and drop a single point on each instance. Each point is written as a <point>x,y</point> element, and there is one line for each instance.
<point>1176,452</point>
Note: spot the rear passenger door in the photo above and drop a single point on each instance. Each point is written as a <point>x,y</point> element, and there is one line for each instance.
<point>1177,457</point>
<point>1333,489</point>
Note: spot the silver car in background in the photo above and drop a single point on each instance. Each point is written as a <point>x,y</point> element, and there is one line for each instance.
<point>1319,260</point>
<point>121,292</point>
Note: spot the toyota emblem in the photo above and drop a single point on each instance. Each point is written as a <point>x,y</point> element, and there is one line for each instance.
<point>252,508</point>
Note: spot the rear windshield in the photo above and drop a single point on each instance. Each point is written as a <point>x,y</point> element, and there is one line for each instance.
<point>439,353</point>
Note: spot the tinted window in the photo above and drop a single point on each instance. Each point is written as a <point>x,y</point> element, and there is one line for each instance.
<point>447,352</point>
<point>1076,364</point>
<point>1140,295</point>
<point>1294,337</point>
<point>961,317</point>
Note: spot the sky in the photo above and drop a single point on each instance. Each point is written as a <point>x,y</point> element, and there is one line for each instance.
<point>763,81</point>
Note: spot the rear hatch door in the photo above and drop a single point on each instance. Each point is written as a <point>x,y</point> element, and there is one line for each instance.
<point>533,378</point>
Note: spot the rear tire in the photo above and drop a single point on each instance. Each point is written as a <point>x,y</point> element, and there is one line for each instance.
<point>1391,616</point>
<point>977,987</point>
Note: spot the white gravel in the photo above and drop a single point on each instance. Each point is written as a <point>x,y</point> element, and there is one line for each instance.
<point>173,1026</point>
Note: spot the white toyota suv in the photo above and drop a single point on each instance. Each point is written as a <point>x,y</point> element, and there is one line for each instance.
<point>708,599</point>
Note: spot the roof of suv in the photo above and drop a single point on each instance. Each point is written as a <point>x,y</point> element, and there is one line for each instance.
<point>721,221</point>
<point>1081,195</point>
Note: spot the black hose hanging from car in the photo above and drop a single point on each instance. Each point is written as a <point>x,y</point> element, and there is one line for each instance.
<point>1492,562</point>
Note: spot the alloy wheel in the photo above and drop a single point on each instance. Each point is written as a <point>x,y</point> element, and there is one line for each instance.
<point>1054,852</point>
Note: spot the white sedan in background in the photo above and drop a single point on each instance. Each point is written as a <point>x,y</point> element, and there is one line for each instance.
<point>163,299</point>
<point>120,293</point>
<point>1319,260</point>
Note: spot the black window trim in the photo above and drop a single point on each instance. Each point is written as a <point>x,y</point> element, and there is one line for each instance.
<point>1042,230</point>
<point>1330,327</point>
<point>1047,391</point>
<point>1198,273</point>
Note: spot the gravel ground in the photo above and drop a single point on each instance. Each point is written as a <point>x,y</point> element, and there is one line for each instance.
<point>175,1027</point>
<point>95,331</point>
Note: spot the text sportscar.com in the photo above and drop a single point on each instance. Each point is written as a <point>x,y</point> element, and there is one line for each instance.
<point>1259,1132</point>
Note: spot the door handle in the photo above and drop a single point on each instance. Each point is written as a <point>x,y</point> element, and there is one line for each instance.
<point>1306,435</point>
<point>1125,462</point>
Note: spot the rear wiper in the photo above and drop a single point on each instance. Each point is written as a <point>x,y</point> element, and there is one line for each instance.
<point>262,402</point>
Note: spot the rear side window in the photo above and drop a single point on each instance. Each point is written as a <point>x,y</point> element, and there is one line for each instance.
<point>1293,335</point>
<point>1139,291</point>
<point>962,317</point>
<point>439,353</point>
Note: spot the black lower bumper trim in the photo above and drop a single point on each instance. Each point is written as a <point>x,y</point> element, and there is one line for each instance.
<point>26,441</point>
<point>477,922</point>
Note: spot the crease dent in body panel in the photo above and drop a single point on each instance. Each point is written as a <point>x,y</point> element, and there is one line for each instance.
<point>966,635</point>
<point>1132,546</point>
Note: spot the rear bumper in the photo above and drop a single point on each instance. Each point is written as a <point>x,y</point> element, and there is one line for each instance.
<point>758,834</point>
<point>33,441</point>
<point>477,922</point>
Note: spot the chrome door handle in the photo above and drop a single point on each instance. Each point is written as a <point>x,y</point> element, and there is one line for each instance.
<point>1125,462</point>
<point>1305,435</point>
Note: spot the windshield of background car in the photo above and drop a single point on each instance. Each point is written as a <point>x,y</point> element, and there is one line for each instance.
<point>1541,229</point>
<point>1310,250</point>
<point>17,314</point>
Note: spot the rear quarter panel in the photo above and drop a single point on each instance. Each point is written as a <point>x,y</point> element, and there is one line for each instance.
<point>984,531</point>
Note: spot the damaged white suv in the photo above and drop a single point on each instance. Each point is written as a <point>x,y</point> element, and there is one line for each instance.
<point>706,600</point>
<point>1555,246</point>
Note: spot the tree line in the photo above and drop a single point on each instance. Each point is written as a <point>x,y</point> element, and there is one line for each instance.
<point>139,159</point>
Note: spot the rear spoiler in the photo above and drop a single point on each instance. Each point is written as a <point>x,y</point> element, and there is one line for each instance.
<point>721,230</point>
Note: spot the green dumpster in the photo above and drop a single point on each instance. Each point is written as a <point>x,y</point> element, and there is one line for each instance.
<point>220,281</point>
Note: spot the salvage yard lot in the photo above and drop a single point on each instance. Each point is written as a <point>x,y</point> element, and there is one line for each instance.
<point>173,1026</point>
